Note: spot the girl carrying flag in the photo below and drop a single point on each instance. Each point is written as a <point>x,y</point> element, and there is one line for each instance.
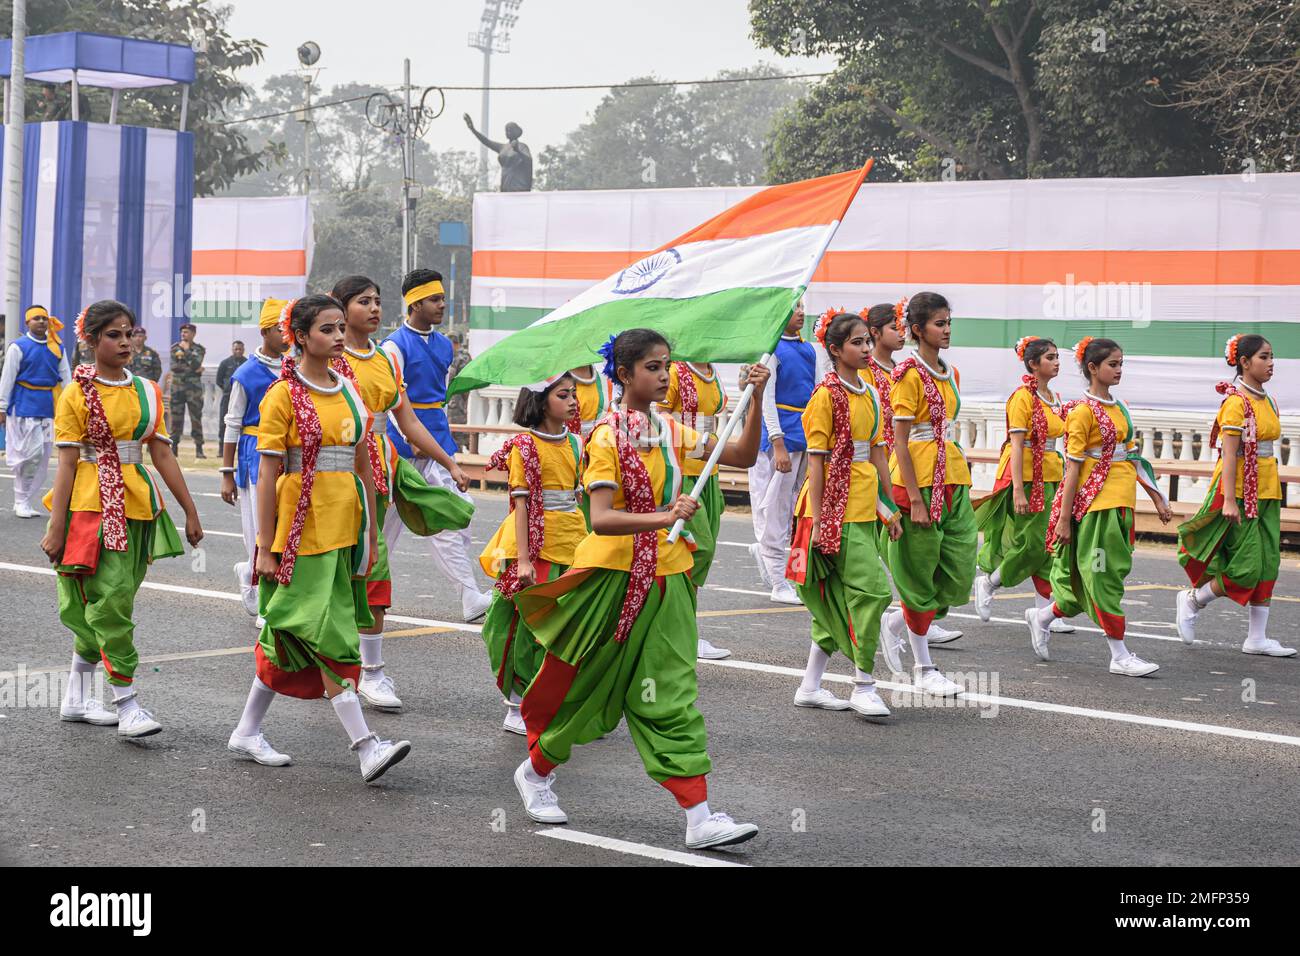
<point>619,628</point>
<point>1232,546</point>
<point>1091,530</point>
<point>108,522</point>
<point>545,476</point>
<point>316,533</point>
<point>835,551</point>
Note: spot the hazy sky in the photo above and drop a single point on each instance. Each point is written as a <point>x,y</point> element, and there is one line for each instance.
<point>554,42</point>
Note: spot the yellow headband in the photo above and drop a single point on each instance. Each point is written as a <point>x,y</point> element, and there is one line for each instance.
<point>271,310</point>
<point>422,292</point>
<point>36,312</point>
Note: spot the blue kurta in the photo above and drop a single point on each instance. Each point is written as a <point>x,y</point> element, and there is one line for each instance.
<point>33,395</point>
<point>254,377</point>
<point>796,377</point>
<point>425,361</point>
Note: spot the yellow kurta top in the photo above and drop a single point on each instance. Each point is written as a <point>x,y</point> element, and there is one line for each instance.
<point>603,471</point>
<point>593,397</point>
<point>908,400</point>
<point>1020,418</point>
<point>1083,432</point>
<point>866,424</point>
<point>712,401</point>
<point>127,407</point>
<point>560,463</point>
<point>334,516</point>
<point>1268,427</point>
<point>378,379</point>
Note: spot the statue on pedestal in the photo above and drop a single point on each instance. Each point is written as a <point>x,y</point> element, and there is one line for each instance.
<point>515,158</point>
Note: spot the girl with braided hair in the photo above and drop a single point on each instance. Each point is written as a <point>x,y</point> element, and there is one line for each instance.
<point>1091,530</point>
<point>536,541</point>
<point>108,522</point>
<point>619,627</point>
<point>835,551</point>
<point>1013,518</point>
<point>316,534</point>
<point>1232,546</point>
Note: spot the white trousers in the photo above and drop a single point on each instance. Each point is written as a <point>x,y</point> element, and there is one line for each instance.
<point>772,497</point>
<point>450,550</point>
<point>248,521</point>
<point>28,443</point>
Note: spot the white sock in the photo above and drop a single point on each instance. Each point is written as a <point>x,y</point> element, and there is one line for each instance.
<point>812,674</point>
<point>255,708</point>
<point>1204,594</point>
<point>1046,615</point>
<point>920,648</point>
<point>78,681</point>
<point>514,700</point>
<point>1256,632</point>
<point>531,775</point>
<point>125,707</point>
<point>1118,651</point>
<point>863,680</point>
<point>372,654</point>
<point>348,707</point>
<point>697,814</point>
<point>1041,602</point>
<point>995,578</point>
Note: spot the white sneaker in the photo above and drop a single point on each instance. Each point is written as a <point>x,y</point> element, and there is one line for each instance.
<point>983,596</point>
<point>382,756</point>
<point>259,622</point>
<point>867,702</point>
<point>1038,637</point>
<point>706,651</point>
<point>1268,647</point>
<point>934,683</point>
<point>258,748</point>
<point>1133,666</point>
<point>540,801</point>
<point>1185,611</point>
<point>247,592</point>
<point>474,608</point>
<point>783,592</point>
<point>821,699</point>
<point>940,635</point>
<point>137,723</point>
<point>378,692</point>
<point>26,511</point>
<point>1060,625</point>
<point>762,568</point>
<point>514,722</point>
<point>891,641</point>
<point>719,830</point>
<point>89,711</point>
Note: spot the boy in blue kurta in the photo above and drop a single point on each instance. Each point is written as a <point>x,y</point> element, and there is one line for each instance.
<point>34,368</point>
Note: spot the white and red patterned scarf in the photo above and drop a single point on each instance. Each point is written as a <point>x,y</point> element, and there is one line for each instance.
<point>1086,494</point>
<point>508,580</point>
<point>108,464</point>
<point>1037,440</point>
<point>1249,447</point>
<point>835,495</point>
<point>883,383</point>
<point>687,394</point>
<point>938,414</point>
<point>309,431</point>
<point>344,368</point>
<point>639,498</point>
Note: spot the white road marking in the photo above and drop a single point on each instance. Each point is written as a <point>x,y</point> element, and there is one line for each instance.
<point>636,849</point>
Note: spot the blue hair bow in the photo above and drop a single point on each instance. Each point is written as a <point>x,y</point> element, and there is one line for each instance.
<point>607,350</point>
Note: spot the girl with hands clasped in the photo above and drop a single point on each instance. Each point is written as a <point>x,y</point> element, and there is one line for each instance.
<point>107,518</point>
<point>619,628</point>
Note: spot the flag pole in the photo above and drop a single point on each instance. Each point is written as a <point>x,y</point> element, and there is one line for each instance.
<point>748,393</point>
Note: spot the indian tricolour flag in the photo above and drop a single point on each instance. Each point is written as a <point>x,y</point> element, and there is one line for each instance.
<point>721,292</point>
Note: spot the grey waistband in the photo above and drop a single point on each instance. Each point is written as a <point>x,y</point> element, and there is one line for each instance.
<point>1265,449</point>
<point>1050,444</point>
<point>330,458</point>
<point>380,426</point>
<point>1120,453</point>
<point>861,450</point>
<point>557,499</point>
<point>588,426</point>
<point>704,424</point>
<point>129,451</point>
<point>924,431</point>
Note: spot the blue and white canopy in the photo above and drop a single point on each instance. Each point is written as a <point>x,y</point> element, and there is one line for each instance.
<point>93,59</point>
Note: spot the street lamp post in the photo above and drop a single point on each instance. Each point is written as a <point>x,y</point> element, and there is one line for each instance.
<point>492,36</point>
<point>15,104</point>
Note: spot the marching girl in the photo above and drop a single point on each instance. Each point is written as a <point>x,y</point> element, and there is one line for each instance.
<point>108,522</point>
<point>1091,530</point>
<point>695,399</point>
<point>239,449</point>
<point>835,551</point>
<point>595,395</point>
<point>887,330</point>
<point>619,628</point>
<point>1233,544</point>
<point>377,378</point>
<point>933,560</point>
<point>545,470</point>
<point>1013,519</point>
<point>315,499</point>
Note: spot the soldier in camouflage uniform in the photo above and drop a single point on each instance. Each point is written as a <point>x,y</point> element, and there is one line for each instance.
<point>187,389</point>
<point>458,405</point>
<point>145,362</point>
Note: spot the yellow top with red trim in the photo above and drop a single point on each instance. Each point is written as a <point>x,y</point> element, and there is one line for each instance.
<point>1083,432</point>
<point>1020,418</point>
<point>378,378</point>
<point>907,396</point>
<point>1268,427</point>
<point>127,406</point>
<point>866,425</point>
<point>334,517</point>
<point>593,397</point>
<point>602,470</point>
<point>712,401</point>
<point>561,463</point>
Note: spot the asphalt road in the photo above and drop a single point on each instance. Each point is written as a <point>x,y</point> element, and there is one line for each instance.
<point>1049,763</point>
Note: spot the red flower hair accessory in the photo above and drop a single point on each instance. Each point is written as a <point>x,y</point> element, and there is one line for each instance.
<point>80,326</point>
<point>900,315</point>
<point>1081,348</point>
<point>1024,344</point>
<point>824,323</point>
<point>1230,349</point>
<point>285,331</point>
